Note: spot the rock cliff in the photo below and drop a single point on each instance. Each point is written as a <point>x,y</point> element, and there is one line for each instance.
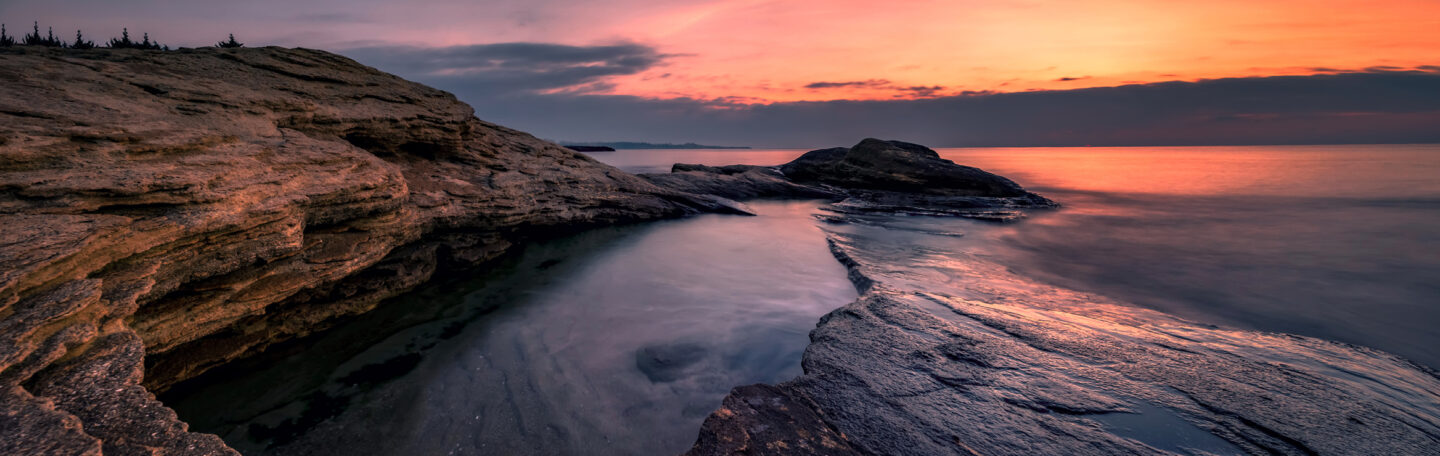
<point>165,212</point>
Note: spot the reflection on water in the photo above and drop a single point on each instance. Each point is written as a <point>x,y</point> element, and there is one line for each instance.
<point>616,341</point>
<point>1338,242</point>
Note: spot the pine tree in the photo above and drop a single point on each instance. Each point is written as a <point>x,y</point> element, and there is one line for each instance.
<point>124,41</point>
<point>34,39</point>
<point>5,39</point>
<point>81,43</point>
<point>230,44</point>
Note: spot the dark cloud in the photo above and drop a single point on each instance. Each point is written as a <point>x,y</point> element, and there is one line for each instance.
<point>509,68</point>
<point>834,85</point>
<point>1068,78</point>
<point>1354,107</point>
<point>923,91</point>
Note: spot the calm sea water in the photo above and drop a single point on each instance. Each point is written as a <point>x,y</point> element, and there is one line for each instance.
<point>621,340</point>
<point>1336,242</point>
<point>615,341</point>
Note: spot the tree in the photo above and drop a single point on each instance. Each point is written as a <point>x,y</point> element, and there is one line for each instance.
<point>34,38</point>
<point>124,41</point>
<point>5,39</point>
<point>230,44</point>
<point>81,43</point>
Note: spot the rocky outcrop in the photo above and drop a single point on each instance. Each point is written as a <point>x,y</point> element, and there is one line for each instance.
<point>897,166</point>
<point>166,212</point>
<point>874,176</point>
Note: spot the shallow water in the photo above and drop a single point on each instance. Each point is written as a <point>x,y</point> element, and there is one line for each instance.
<point>621,340</point>
<point>1337,242</point>
<point>615,341</point>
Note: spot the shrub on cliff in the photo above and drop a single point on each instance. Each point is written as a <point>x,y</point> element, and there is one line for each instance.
<point>5,39</point>
<point>230,44</point>
<point>34,39</point>
<point>124,42</point>
<point>81,43</point>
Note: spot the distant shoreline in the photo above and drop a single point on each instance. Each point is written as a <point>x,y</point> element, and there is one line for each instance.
<point>621,145</point>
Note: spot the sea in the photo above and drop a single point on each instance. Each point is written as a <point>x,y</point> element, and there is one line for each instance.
<point>622,340</point>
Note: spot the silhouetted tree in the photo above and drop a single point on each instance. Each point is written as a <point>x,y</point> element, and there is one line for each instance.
<point>124,41</point>
<point>230,44</point>
<point>81,43</point>
<point>5,39</point>
<point>34,38</point>
<point>151,45</point>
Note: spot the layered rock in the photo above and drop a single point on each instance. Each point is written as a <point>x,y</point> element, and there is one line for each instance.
<point>183,209</point>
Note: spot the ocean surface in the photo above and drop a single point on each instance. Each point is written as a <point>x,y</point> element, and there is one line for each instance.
<point>1335,242</point>
<point>621,340</point>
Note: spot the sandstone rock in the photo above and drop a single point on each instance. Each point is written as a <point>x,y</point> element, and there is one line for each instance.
<point>182,209</point>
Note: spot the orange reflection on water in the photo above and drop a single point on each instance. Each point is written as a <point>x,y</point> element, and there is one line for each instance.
<point>1295,171</point>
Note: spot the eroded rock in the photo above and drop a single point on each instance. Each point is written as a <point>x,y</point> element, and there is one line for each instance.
<point>186,208</point>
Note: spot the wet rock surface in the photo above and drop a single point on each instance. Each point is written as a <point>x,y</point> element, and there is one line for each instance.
<point>167,212</point>
<point>947,353</point>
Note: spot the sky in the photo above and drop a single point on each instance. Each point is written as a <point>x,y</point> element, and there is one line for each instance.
<point>804,73</point>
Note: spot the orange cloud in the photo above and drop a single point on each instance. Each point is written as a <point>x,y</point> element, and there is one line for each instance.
<point>1014,45</point>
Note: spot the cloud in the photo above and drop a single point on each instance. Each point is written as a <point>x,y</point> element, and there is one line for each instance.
<point>1069,78</point>
<point>833,85</point>
<point>509,68</point>
<point>923,91</point>
<point>1352,107</point>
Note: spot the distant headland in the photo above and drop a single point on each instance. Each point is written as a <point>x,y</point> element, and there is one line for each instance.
<point>575,145</point>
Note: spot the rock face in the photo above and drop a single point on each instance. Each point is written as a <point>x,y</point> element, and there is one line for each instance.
<point>164,213</point>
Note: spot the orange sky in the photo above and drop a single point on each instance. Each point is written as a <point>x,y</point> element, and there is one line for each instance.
<point>770,50</point>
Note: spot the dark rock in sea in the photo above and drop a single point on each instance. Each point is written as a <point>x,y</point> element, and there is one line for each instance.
<point>897,166</point>
<point>264,195</point>
<point>874,176</point>
<point>667,363</point>
<point>590,148</point>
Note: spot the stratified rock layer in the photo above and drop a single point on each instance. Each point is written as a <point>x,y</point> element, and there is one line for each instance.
<point>187,208</point>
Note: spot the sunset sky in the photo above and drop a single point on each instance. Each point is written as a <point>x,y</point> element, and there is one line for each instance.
<point>714,60</point>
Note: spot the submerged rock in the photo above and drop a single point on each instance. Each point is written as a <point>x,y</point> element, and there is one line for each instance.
<point>667,363</point>
<point>187,208</point>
